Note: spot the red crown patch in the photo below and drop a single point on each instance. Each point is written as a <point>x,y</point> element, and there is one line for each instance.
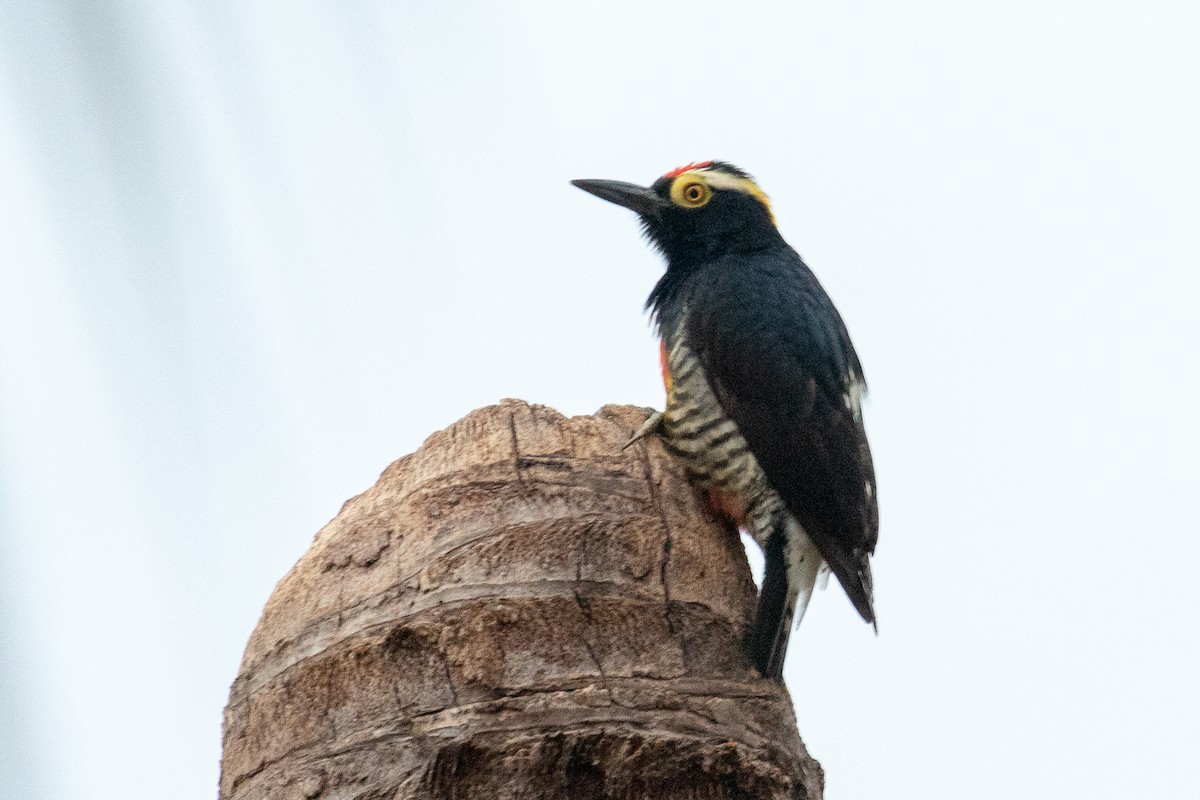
<point>675,173</point>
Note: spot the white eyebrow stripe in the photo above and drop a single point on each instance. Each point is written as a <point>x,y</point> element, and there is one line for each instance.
<point>723,180</point>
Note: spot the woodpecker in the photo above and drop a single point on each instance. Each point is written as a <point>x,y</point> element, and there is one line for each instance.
<point>764,390</point>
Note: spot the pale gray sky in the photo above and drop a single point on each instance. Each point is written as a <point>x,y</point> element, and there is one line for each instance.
<point>252,252</point>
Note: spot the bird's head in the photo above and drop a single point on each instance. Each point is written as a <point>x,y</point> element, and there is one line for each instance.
<point>697,212</point>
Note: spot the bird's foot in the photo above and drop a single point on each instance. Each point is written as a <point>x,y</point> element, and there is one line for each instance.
<point>651,425</point>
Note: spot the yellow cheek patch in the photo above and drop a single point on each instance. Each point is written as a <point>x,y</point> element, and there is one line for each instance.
<point>683,191</point>
<point>691,190</point>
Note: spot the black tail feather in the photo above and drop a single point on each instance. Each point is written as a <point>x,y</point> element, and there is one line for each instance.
<point>767,639</point>
<point>853,571</point>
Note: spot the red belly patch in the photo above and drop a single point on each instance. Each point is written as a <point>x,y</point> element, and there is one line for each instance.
<point>662,360</point>
<point>725,504</point>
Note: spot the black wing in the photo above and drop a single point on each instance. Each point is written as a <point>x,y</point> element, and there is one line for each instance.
<point>780,359</point>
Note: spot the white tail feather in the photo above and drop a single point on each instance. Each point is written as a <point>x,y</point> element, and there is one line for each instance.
<point>804,564</point>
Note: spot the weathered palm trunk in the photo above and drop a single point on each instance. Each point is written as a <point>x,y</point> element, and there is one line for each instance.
<point>519,609</point>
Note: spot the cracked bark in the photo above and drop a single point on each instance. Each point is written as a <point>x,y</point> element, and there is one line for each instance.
<point>519,609</point>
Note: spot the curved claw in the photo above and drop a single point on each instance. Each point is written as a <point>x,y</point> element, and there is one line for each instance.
<point>651,425</point>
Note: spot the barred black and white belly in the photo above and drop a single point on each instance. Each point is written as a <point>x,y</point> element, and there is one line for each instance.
<point>696,430</point>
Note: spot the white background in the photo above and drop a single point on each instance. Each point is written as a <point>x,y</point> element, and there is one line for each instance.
<point>252,252</point>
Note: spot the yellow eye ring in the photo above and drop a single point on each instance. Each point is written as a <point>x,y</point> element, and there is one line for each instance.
<point>690,192</point>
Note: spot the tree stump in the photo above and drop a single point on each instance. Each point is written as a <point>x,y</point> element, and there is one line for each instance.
<point>519,609</point>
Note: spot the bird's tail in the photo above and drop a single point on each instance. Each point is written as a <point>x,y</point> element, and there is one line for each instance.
<point>853,571</point>
<point>792,564</point>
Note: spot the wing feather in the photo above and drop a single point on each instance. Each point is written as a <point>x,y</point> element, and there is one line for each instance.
<point>781,362</point>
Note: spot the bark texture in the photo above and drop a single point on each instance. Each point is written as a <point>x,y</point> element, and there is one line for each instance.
<point>519,609</point>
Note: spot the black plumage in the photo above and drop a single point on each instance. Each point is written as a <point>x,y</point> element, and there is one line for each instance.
<point>779,358</point>
<point>779,361</point>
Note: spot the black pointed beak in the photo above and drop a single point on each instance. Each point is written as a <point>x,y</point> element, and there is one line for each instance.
<point>630,195</point>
